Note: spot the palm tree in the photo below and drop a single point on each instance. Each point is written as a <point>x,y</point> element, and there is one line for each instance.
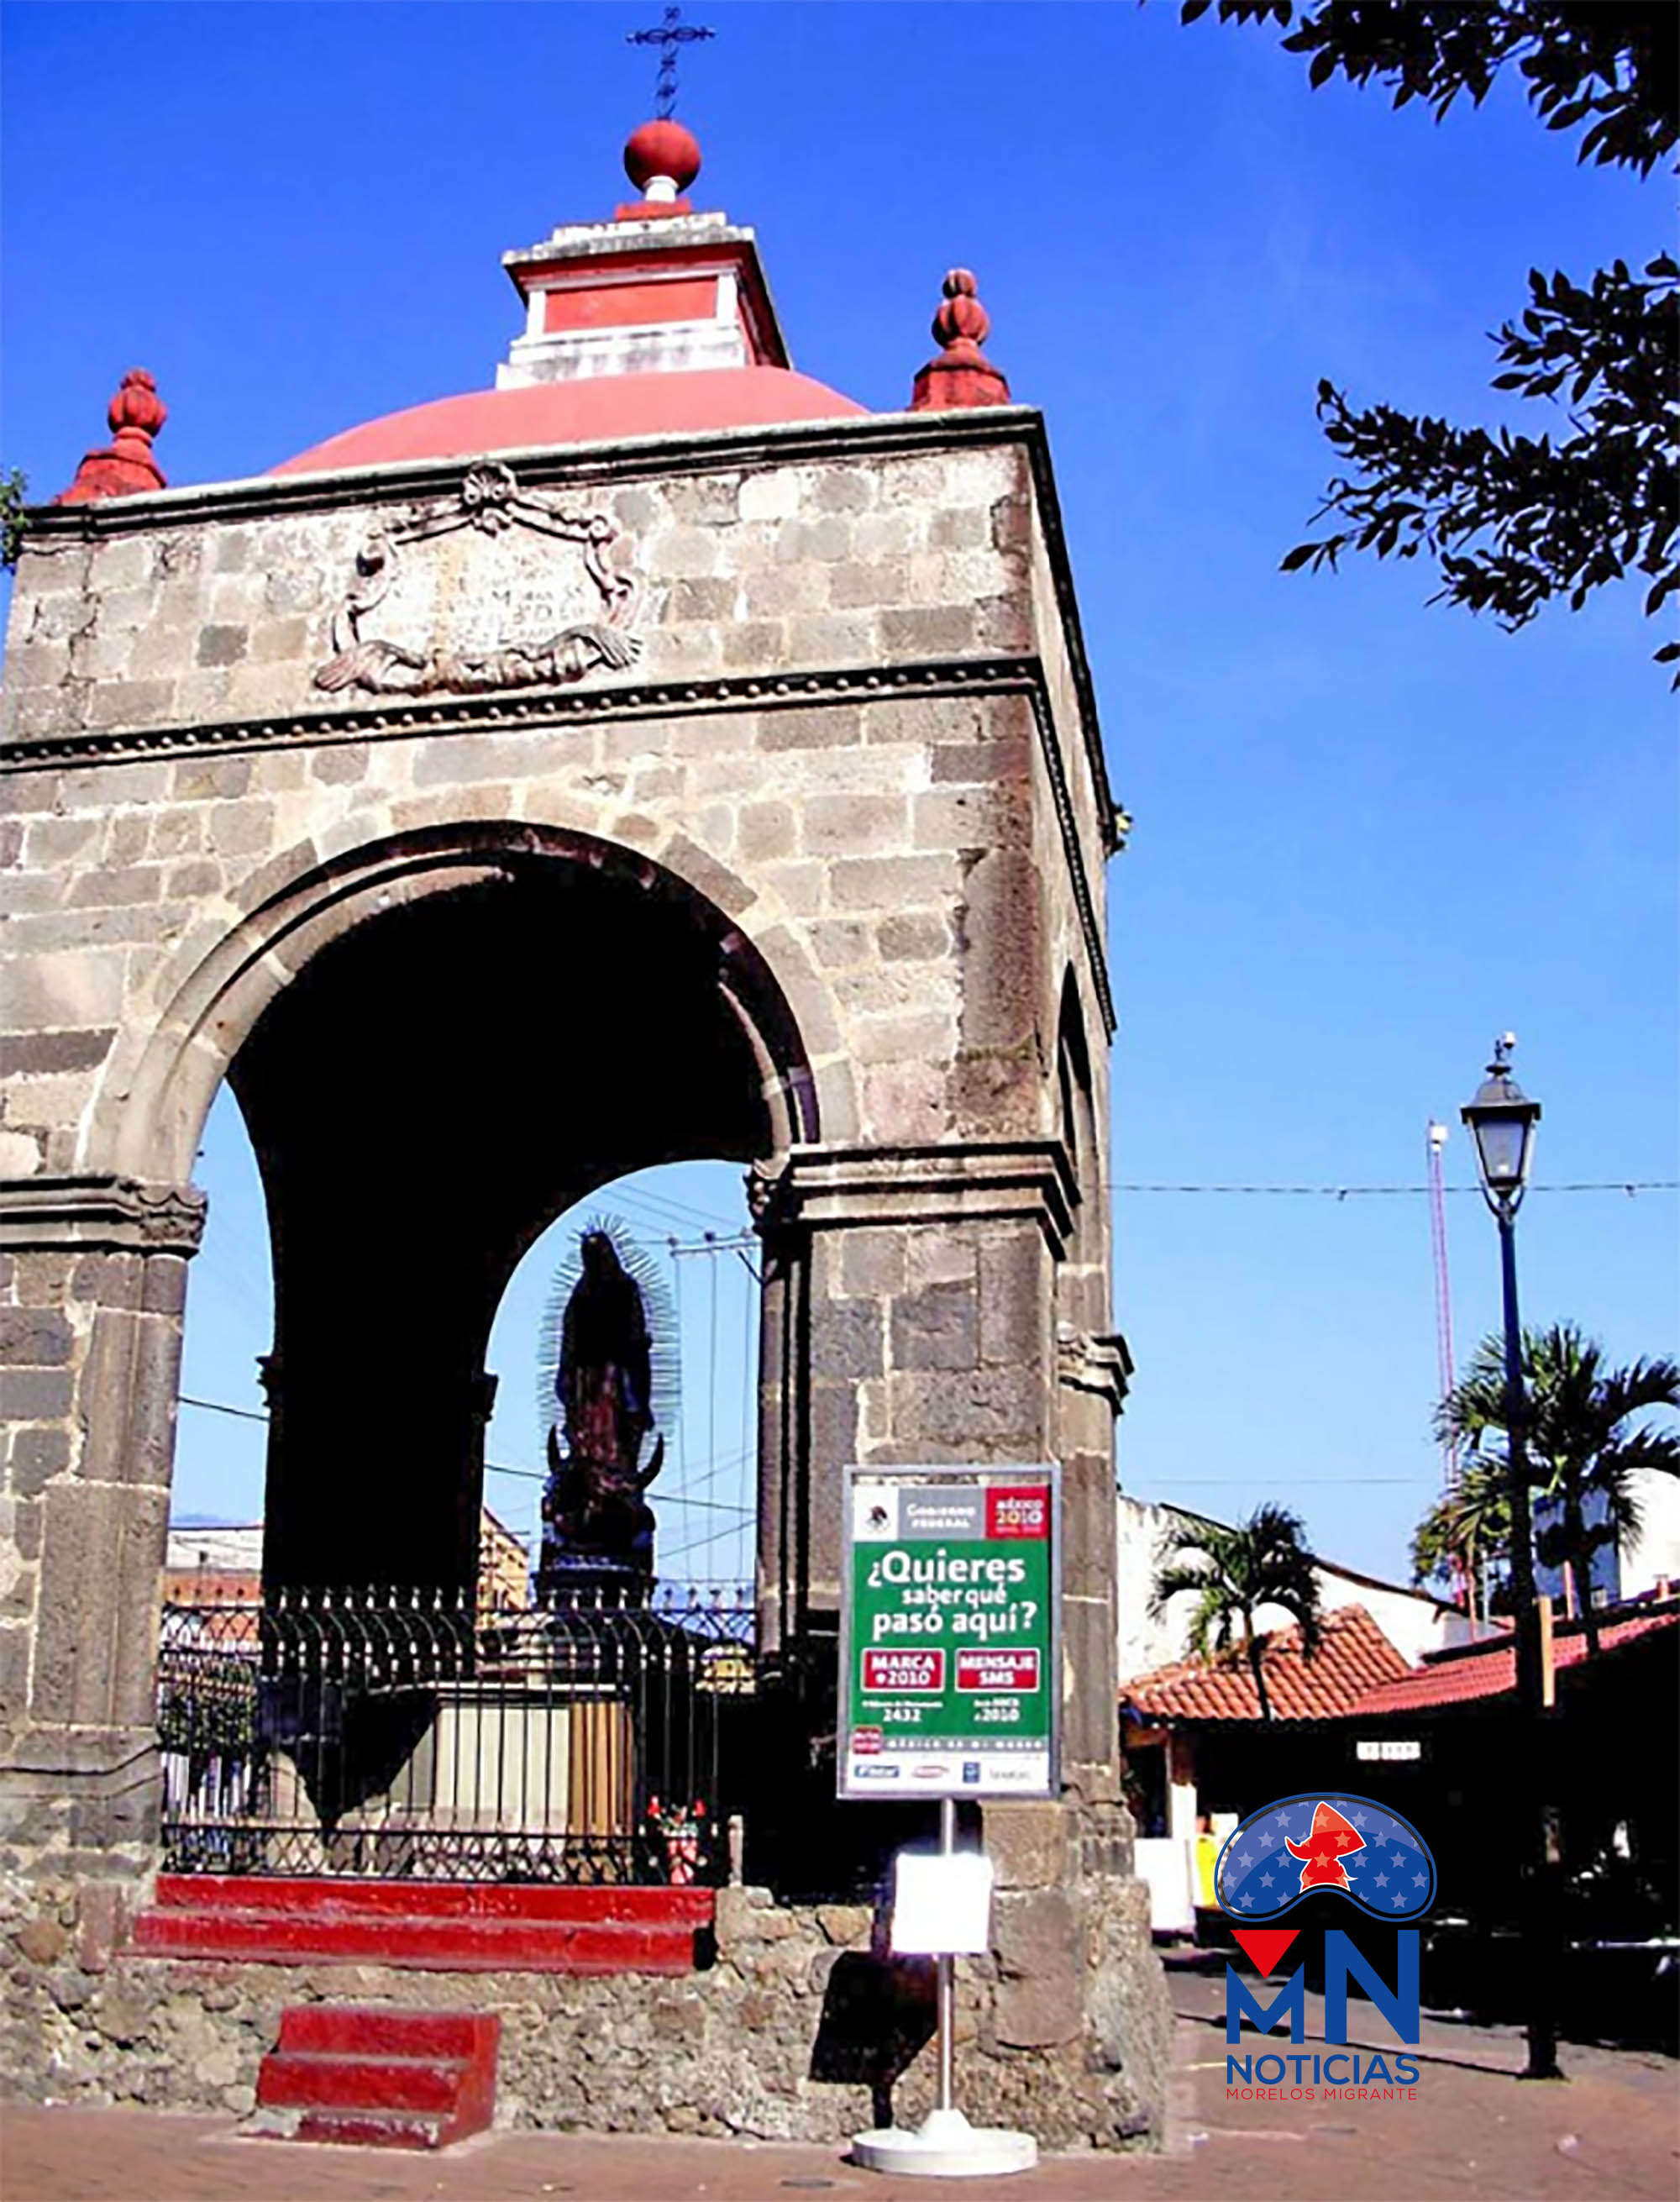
<point>1234,1572</point>
<point>1585,1440</point>
<point>1465,1534</point>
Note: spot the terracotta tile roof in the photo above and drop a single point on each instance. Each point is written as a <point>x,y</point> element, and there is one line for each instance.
<point>1354,1658</point>
<point>1473,1671</point>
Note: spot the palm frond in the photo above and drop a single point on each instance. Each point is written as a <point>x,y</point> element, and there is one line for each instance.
<point>1584,1442</point>
<point>1173,1581</point>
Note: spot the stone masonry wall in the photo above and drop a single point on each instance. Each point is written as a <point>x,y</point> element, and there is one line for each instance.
<point>203,610</point>
<point>795,2032</point>
<point>825,677</point>
<point>762,582</point>
<point>868,794</point>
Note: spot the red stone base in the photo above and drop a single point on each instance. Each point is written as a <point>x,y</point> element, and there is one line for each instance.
<point>441,1926</point>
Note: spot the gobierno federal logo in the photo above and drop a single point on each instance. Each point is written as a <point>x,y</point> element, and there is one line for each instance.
<point>1323,1843</point>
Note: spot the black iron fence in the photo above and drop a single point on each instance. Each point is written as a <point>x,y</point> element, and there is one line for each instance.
<point>397,1733</point>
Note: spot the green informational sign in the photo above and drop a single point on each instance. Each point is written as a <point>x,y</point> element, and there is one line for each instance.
<point>950,1632</point>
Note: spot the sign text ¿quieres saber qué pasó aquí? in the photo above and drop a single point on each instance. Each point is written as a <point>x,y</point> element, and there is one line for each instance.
<point>950,1633</point>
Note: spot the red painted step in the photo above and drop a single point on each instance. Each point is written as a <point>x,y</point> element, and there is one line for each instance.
<point>316,2029</point>
<point>379,2076</point>
<point>489,1899</point>
<point>357,2083</point>
<point>443,1926</point>
<point>439,1946</point>
<point>372,2129</point>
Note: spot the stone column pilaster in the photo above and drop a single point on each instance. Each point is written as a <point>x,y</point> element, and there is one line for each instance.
<point>92,1291</point>
<point>909,1318</point>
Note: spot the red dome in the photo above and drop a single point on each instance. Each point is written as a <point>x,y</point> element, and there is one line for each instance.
<point>600,410</point>
<point>662,149</point>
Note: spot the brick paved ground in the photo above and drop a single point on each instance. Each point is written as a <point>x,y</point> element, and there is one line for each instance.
<point>1473,2131</point>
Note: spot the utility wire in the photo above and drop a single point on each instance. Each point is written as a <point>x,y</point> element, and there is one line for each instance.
<point>635,1195</point>
<point>1295,1482</point>
<point>1359,1192</point>
<point>492,1467</point>
<point>221,1407</point>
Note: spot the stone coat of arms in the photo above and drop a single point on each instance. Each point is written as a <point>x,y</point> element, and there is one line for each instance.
<point>484,614</point>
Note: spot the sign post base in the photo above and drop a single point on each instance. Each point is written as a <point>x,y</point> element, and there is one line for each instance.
<point>946,2147</point>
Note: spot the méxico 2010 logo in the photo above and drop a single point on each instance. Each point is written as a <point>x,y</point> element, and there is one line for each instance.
<point>1323,1843</point>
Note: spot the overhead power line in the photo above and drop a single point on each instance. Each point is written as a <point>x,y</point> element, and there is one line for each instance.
<point>492,1467</point>
<point>1629,1186</point>
<point>1294,1482</point>
<point>221,1407</point>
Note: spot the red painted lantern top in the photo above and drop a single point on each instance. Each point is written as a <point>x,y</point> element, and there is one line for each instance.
<point>663,148</point>
<point>125,466</point>
<point>961,374</point>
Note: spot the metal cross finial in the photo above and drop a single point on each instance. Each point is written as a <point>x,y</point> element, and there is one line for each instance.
<point>670,36</point>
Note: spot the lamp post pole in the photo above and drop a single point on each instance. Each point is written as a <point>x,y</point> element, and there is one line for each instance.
<point>1501,1119</point>
<point>1529,1687</point>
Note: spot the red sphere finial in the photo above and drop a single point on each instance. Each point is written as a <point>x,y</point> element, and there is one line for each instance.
<point>126,466</point>
<point>961,374</point>
<point>662,153</point>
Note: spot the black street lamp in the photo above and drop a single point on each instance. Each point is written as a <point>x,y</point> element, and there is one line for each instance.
<point>1501,1119</point>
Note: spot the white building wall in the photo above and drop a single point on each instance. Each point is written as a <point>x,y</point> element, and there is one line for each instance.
<point>1654,1556</point>
<point>1413,1622</point>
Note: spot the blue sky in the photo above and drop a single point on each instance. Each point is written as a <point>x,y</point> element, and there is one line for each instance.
<point>1370,834</point>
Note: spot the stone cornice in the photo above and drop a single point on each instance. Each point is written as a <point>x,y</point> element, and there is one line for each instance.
<point>106,1214</point>
<point>398,718</point>
<point>965,1181</point>
<point>546,465</point>
<point>402,718</point>
<point>871,435</point>
<point>1096,1361</point>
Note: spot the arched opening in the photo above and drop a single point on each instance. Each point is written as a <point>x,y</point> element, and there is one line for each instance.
<point>687,1229</point>
<point>691,1219</point>
<point>505,1047</point>
<point>428,1094</point>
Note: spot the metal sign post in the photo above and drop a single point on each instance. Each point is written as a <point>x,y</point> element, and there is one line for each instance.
<point>950,1664</point>
<point>945,2009</point>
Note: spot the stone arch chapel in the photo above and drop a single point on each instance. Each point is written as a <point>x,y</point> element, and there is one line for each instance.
<point>657,756</point>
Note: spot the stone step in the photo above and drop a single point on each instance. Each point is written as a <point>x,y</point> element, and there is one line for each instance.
<point>630,1903</point>
<point>333,2081</point>
<point>316,2030</point>
<point>377,2077</point>
<point>444,1944</point>
<point>376,2129</point>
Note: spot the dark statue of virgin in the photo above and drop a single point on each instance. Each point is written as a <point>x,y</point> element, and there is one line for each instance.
<point>597,1527</point>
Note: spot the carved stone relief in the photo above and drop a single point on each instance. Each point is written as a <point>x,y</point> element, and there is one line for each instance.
<point>481,614</point>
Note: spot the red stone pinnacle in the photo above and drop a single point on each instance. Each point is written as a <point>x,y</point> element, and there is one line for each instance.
<point>126,466</point>
<point>961,374</point>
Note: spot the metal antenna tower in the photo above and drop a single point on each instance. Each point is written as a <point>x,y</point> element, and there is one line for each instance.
<point>670,37</point>
<point>1446,1359</point>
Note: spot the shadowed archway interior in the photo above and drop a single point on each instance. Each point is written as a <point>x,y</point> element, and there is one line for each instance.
<point>429,1093</point>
